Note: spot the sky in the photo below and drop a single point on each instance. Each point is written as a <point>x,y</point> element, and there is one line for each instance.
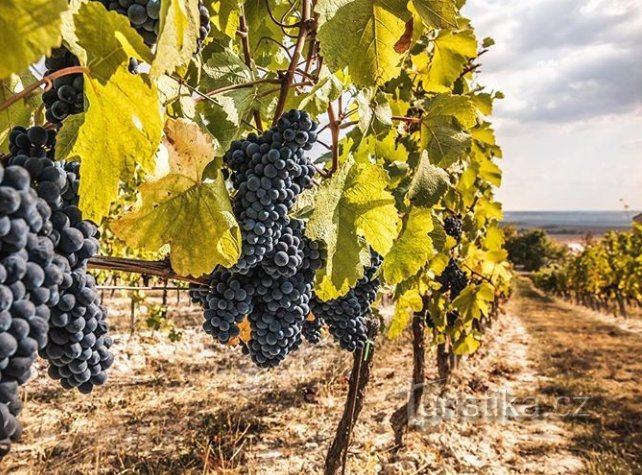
<point>571,123</point>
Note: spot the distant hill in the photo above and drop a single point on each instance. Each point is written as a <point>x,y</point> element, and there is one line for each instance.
<point>571,222</point>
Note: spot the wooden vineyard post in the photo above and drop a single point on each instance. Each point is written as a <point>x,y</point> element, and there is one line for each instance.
<point>401,417</point>
<point>360,375</point>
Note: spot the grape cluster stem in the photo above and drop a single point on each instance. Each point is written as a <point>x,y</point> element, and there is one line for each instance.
<point>304,29</point>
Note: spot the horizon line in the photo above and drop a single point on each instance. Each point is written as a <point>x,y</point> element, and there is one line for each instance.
<point>572,210</point>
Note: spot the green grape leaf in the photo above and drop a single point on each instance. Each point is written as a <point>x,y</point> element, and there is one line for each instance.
<point>441,125</point>
<point>268,54</point>
<point>387,149</point>
<point>179,30</point>
<point>452,50</point>
<point>316,100</point>
<point>239,104</point>
<point>20,112</point>
<point>104,40</point>
<point>375,113</point>
<point>120,130</point>
<point>29,29</point>
<point>352,205</point>
<point>488,42</point>
<point>466,344</point>
<point>428,185</point>
<point>406,305</point>
<point>217,122</point>
<point>412,249</point>
<point>437,13</point>
<point>362,35</point>
<point>451,105</point>
<point>224,68</point>
<point>193,215</point>
<point>474,301</point>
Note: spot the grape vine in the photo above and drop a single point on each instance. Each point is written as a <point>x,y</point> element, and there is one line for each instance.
<point>282,231</point>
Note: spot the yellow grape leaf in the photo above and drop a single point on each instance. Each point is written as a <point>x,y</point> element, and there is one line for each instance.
<point>225,17</point>
<point>382,150</point>
<point>194,216</point>
<point>352,205</point>
<point>484,134</point>
<point>29,29</point>
<point>361,35</point>
<point>407,304</point>
<point>437,13</point>
<point>474,301</point>
<point>104,40</point>
<point>121,129</point>
<point>466,345</point>
<point>179,30</point>
<point>494,239</point>
<point>411,249</point>
<point>452,50</point>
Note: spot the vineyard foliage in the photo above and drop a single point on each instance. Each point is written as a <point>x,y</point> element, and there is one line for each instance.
<point>404,142</point>
<point>606,274</point>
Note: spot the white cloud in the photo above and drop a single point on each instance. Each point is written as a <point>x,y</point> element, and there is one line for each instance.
<point>572,75</point>
<point>560,60</point>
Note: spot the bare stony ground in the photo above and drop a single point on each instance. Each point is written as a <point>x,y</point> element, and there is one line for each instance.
<point>195,407</point>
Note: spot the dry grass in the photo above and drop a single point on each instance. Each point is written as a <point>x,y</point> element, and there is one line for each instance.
<point>588,356</point>
<point>193,407</point>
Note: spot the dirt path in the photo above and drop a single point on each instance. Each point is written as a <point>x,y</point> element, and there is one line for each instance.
<point>593,363</point>
<point>193,407</point>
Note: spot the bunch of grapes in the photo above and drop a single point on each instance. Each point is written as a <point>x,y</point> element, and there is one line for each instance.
<point>311,330</point>
<point>226,302</point>
<point>274,298</point>
<point>74,238</point>
<point>346,316</point>
<point>367,287</point>
<point>78,344</point>
<point>66,96</point>
<point>269,172</point>
<point>31,277</point>
<point>281,306</point>
<point>453,226</point>
<point>144,17</point>
<point>78,347</point>
<point>271,284</point>
<point>453,279</point>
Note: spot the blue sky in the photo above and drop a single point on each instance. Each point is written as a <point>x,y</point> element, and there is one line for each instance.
<point>571,123</point>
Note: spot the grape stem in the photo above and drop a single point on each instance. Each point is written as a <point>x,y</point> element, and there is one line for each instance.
<point>304,28</point>
<point>138,266</point>
<point>47,80</point>
<point>139,287</point>
<point>334,125</point>
<point>273,18</point>
<point>243,34</point>
<point>480,276</point>
<point>472,67</point>
<point>233,87</point>
<point>406,119</point>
